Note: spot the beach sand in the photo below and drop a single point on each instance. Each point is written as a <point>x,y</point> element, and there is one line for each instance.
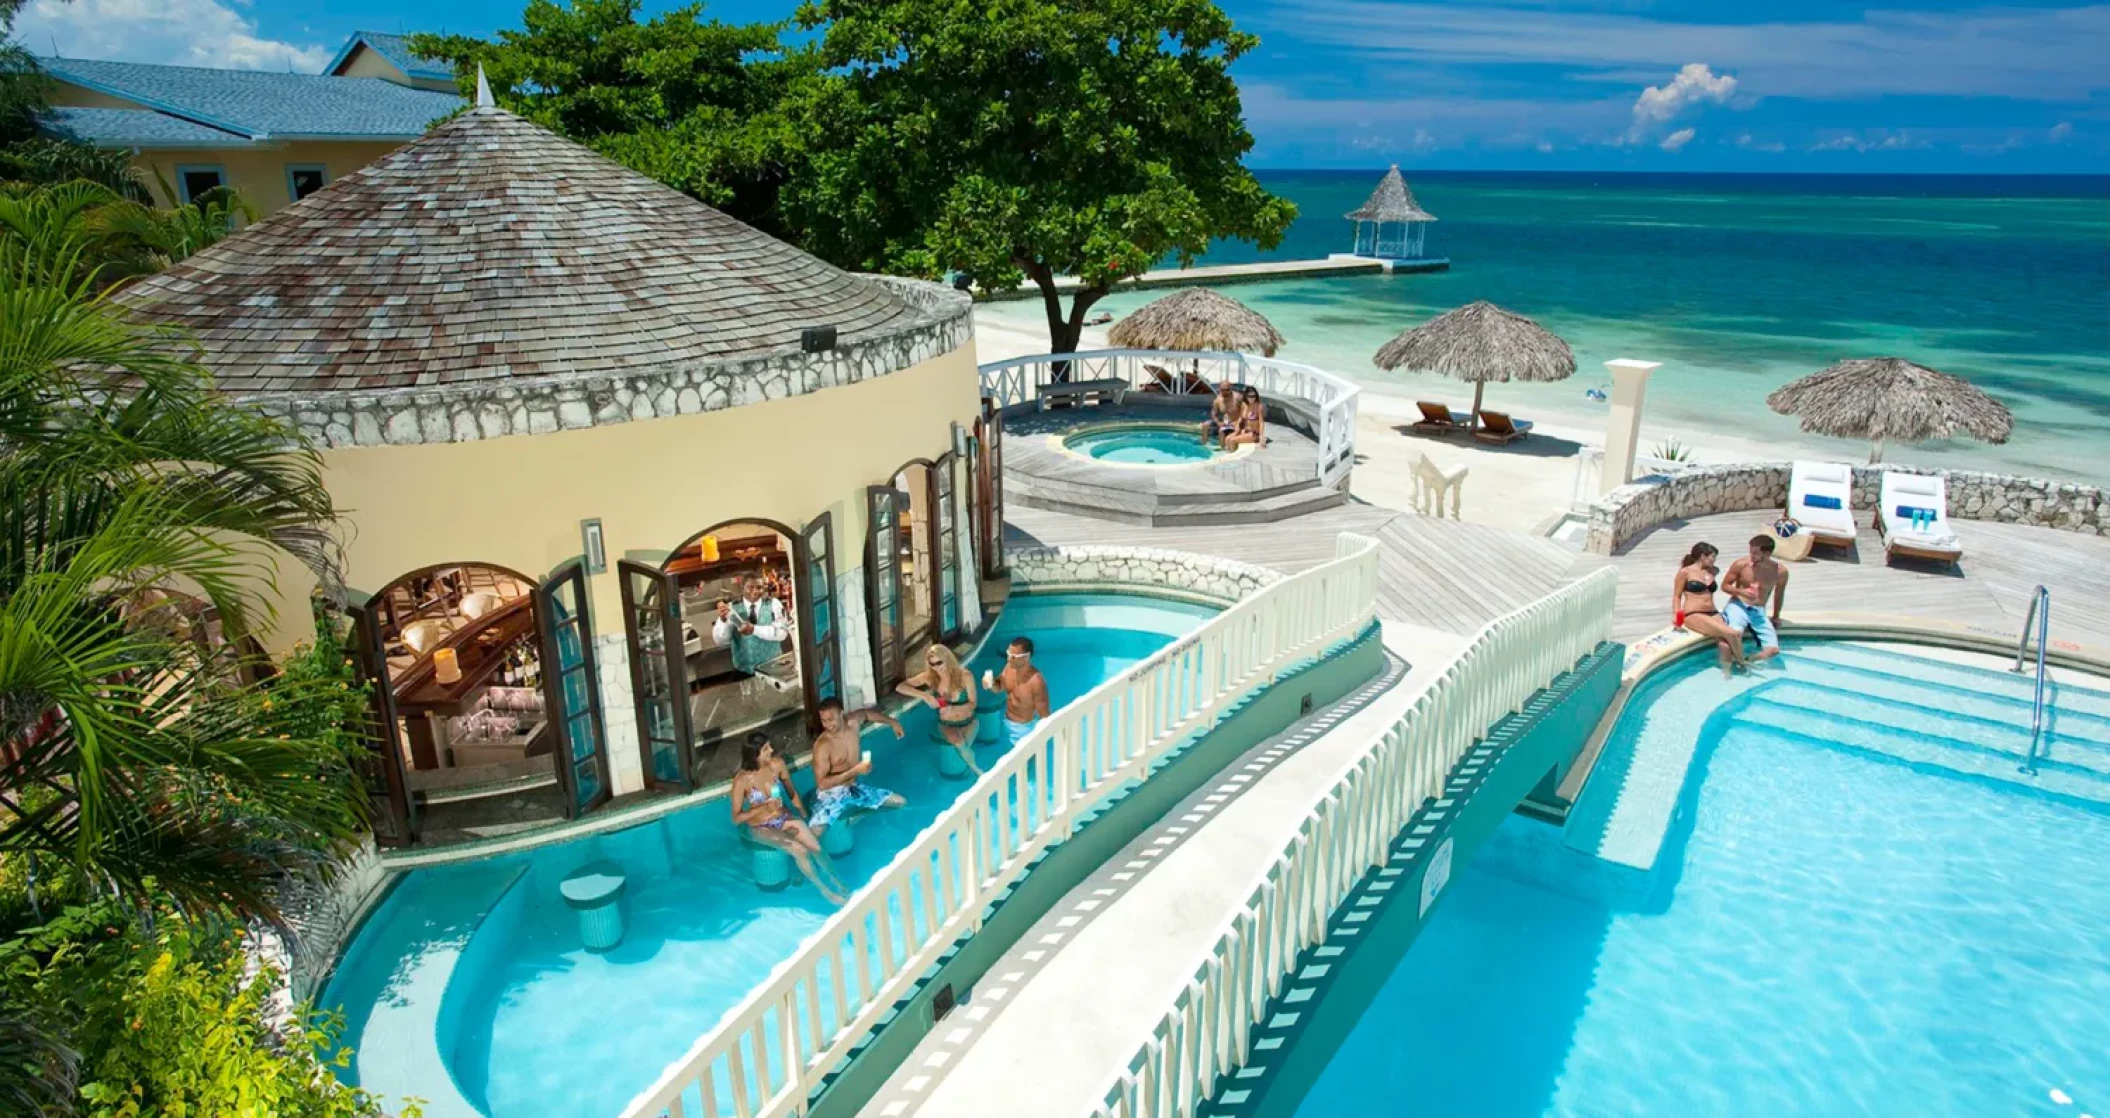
<point>1525,486</point>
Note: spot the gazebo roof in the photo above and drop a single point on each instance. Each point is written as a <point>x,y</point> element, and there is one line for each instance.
<point>1392,201</point>
<point>491,249</point>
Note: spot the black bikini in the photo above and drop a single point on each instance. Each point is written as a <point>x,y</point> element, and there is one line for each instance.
<point>1695,586</point>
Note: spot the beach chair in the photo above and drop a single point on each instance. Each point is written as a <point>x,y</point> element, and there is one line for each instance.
<point>1497,427</point>
<point>1924,497</point>
<point>1821,499</point>
<point>1437,418</point>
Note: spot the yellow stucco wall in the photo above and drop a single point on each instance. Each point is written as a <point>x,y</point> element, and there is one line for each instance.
<point>365,63</point>
<point>517,501</point>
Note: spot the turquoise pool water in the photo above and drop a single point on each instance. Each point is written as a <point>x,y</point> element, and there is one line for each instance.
<point>1857,906</point>
<point>1166,445</point>
<point>468,986</point>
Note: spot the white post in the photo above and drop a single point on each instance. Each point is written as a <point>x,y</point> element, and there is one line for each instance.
<point>1623,428</point>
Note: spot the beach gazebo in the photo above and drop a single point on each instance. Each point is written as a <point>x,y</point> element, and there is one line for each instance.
<point>1480,342</point>
<point>1391,225</point>
<point>1196,318</point>
<point>1885,398</point>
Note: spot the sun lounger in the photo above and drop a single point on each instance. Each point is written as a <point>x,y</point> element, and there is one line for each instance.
<point>1821,499</point>
<point>1497,427</point>
<point>1924,497</point>
<point>1437,417</point>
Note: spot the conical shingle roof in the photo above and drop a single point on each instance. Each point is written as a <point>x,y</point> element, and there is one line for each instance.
<point>492,248</point>
<point>1392,201</point>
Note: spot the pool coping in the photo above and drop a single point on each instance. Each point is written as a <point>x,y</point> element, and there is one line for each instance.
<point>1058,441</point>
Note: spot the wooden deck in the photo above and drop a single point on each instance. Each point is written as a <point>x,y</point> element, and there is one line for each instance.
<point>2002,565</point>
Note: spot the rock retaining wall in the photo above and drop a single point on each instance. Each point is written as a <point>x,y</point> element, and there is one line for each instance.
<point>1222,581</point>
<point>1632,509</point>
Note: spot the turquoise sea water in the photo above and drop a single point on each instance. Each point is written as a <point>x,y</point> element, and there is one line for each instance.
<point>1738,284</point>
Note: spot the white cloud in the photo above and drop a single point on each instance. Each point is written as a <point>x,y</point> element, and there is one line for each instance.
<point>177,32</point>
<point>1751,143</point>
<point>1693,85</point>
<point>1677,139</point>
<point>2060,132</point>
<point>1850,141</point>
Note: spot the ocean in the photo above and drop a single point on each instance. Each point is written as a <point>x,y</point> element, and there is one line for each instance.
<point>1737,284</point>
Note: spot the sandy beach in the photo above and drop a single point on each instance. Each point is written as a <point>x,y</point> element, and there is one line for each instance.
<point>1525,486</point>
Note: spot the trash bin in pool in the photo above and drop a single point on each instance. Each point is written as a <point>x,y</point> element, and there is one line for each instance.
<point>595,892</point>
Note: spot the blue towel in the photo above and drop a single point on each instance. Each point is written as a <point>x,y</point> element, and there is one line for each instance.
<point>1813,501</point>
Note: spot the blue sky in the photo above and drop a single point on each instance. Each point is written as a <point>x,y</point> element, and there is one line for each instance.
<point>1694,85</point>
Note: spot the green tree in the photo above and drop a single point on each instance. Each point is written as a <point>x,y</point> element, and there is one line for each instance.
<point>24,90</point>
<point>694,103</point>
<point>1016,140</point>
<point>76,232</point>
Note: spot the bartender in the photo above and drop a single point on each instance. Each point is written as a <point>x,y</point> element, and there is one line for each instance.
<point>755,628</point>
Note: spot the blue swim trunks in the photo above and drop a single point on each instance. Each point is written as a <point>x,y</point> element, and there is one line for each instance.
<point>834,803</point>
<point>1742,616</point>
<point>1015,732</point>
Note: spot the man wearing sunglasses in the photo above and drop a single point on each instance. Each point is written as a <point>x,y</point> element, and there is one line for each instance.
<point>1024,689</point>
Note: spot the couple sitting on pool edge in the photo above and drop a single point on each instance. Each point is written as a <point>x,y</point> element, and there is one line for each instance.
<point>1236,418</point>
<point>763,784</point>
<point>1756,585</point>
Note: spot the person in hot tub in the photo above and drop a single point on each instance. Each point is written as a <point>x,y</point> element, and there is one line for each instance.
<point>1224,413</point>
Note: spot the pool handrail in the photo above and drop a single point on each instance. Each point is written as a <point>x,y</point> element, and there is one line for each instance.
<point>1208,1032</point>
<point>1018,380</point>
<point>770,1052</point>
<point>2039,616</point>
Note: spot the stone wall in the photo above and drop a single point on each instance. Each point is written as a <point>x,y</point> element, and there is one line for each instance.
<point>537,405</point>
<point>1222,581</point>
<point>1632,509</point>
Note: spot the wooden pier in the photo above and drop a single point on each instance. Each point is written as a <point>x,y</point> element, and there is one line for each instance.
<point>1217,275</point>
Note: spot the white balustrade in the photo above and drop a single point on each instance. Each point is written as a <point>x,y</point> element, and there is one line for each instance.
<point>766,1056</point>
<point>1208,1033</point>
<point>1333,399</point>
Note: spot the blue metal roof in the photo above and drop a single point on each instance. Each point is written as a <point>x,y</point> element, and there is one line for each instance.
<point>397,50</point>
<point>264,105</point>
<point>135,128</point>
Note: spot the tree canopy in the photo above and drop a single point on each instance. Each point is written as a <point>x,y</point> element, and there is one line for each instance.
<point>1016,140</point>
<point>694,103</point>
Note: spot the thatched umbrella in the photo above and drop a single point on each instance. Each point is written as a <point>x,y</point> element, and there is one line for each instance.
<point>1880,398</point>
<point>1480,342</point>
<point>1196,318</point>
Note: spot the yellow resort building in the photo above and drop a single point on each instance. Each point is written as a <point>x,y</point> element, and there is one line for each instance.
<point>623,480</point>
<point>274,137</point>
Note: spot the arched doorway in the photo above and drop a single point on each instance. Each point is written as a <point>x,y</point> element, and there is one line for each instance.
<point>911,576</point>
<point>487,709</point>
<point>733,632</point>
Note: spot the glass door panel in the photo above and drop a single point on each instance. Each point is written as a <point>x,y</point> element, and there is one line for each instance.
<point>573,689</point>
<point>945,550</point>
<point>658,679</point>
<point>992,489</point>
<point>395,812</point>
<point>817,619</point>
<point>883,583</point>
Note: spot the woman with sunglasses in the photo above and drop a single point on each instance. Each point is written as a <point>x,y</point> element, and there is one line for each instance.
<point>949,689</point>
<point>1252,422</point>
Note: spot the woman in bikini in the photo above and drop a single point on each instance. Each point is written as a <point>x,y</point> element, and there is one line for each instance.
<point>949,689</point>
<point>758,795</point>
<point>1692,605</point>
<point>1252,422</point>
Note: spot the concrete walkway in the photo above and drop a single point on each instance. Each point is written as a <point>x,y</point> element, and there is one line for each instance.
<point>1069,1004</point>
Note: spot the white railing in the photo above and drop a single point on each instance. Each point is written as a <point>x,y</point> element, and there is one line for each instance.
<point>1589,473</point>
<point>1208,1032</point>
<point>766,1056</point>
<point>1018,381</point>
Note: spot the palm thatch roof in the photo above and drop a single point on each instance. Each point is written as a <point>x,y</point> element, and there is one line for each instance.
<point>1480,342</point>
<point>1882,398</point>
<point>1391,201</point>
<point>1196,318</point>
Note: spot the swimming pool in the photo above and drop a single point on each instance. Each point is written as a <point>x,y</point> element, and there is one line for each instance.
<point>468,986</point>
<point>1161,444</point>
<point>1821,889</point>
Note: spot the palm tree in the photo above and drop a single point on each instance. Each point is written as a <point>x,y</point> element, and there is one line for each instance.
<point>73,231</point>
<point>132,749</point>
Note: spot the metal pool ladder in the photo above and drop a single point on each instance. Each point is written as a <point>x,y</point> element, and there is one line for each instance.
<point>2040,617</point>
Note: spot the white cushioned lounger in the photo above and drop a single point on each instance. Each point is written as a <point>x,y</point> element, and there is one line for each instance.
<point>1902,494</point>
<point>1828,484</point>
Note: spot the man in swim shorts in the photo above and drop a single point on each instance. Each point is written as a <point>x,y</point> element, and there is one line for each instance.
<point>1024,689</point>
<point>1756,585</point>
<point>838,763</point>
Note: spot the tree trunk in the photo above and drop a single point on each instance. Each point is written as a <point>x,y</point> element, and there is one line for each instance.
<point>1479,390</point>
<point>1063,329</point>
<point>1875,451</point>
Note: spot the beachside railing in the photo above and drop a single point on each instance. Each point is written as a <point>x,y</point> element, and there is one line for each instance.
<point>1208,1032</point>
<point>767,1055</point>
<point>1019,380</point>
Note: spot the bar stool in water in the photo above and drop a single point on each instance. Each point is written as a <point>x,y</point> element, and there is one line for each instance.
<point>595,892</point>
<point>837,839</point>
<point>770,865</point>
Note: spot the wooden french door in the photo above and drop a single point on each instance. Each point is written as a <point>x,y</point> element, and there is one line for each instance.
<point>572,691</point>
<point>820,647</point>
<point>945,550</point>
<point>659,677</point>
<point>883,583</point>
<point>395,811</point>
<point>989,488</point>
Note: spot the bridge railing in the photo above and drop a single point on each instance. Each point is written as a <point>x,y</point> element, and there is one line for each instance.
<point>766,1057</point>
<point>1331,398</point>
<point>1208,1032</point>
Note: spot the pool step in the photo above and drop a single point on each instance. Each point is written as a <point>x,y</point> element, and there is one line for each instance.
<point>1162,511</point>
<point>1825,729</point>
<point>2065,695</point>
<point>1985,721</point>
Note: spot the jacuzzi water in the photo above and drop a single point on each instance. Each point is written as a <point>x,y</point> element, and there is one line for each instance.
<point>473,992</point>
<point>1859,907</point>
<point>1163,445</point>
